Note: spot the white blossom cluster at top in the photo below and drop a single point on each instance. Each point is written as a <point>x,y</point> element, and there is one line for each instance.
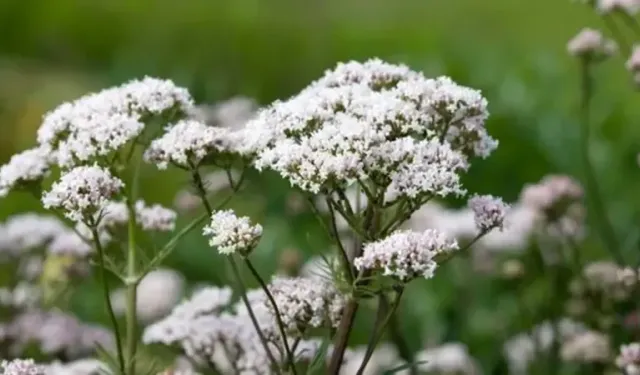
<point>378,121</point>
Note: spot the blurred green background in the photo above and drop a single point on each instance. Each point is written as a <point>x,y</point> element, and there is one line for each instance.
<point>513,50</point>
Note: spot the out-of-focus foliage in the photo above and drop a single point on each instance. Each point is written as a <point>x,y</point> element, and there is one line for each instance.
<point>52,51</point>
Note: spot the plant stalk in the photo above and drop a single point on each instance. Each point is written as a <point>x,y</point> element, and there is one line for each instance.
<point>107,297</point>
<point>132,290</point>
<point>593,189</point>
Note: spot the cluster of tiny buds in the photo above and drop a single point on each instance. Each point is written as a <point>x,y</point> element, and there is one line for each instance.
<point>405,255</point>
<point>230,233</point>
<point>591,44</point>
<point>489,212</point>
<point>83,192</point>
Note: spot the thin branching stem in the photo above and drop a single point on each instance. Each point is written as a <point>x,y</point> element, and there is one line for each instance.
<point>380,328</point>
<point>348,269</point>
<point>252,315</point>
<point>263,285</point>
<point>593,189</point>
<point>107,298</point>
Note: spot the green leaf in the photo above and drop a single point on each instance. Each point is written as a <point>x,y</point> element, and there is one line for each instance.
<point>318,362</point>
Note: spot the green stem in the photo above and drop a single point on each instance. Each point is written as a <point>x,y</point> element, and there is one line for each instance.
<point>252,316</point>
<point>606,229</point>
<point>107,298</point>
<point>379,329</point>
<point>132,286</point>
<point>346,264</point>
<point>289,352</point>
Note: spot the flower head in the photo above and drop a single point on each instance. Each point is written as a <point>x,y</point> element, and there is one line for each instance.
<point>83,192</point>
<point>590,43</point>
<point>488,211</point>
<point>231,234</point>
<point>27,167</point>
<point>188,142</point>
<point>406,255</point>
<point>155,217</point>
<point>99,124</point>
<point>306,303</point>
<point>373,120</point>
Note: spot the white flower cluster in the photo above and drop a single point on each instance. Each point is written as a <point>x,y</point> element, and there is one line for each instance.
<point>207,333</point>
<point>489,212</point>
<point>69,243</point>
<point>155,217</point>
<point>406,255</point>
<point>83,192</point>
<point>98,124</point>
<point>373,120</point>
<point>630,7</point>
<point>629,359</point>
<point>24,295</point>
<point>590,43</point>
<point>607,279</point>
<point>559,201</point>
<point>157,293</point>
<point>306,303</point>
<point>521,350</point>
<point>188,142</point>
<point>21,367</point>
<point>115,216</point>
<point>29,166</point>
<point>450,358</point>
<point>55,333</point>
<point>177,326</point>
<point>587,347</point>
<point>231,234</point>
<point>23,233</point>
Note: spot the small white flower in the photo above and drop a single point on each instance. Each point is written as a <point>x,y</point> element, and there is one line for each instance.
<point>489,212</point>
<point>231,234</point>
<point>155,217</point>
<point>591,43</point>
<point>629,358</point>
<point>69,243</point>
<point>186,143</point>
<point>405,255</point>
<point>306,303</point>
<point>21,367</point>
<point>83,192</point>
<point>29,166</point>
